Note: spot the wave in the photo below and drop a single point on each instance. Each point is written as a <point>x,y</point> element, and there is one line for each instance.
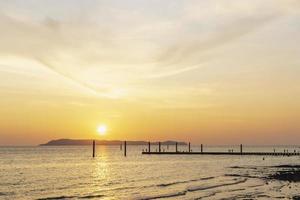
<point>58,197</point>
<point>242,167</point>
<point>216,186</point>
<point>6,193</point>
<point>287,166</point>
<point>187,181</point>
<point>156,185</point>
<point>194,189</point>
<point>219,191</point>
<point>235,190</point>
<point>72,197</point>
<point>182,193</point>
<point>208,196</point>
<point>250,195</point>
<point>239,175</point>
<point>92,196</point>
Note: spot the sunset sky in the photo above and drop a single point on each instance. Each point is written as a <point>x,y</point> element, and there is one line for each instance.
<point>213,72</point>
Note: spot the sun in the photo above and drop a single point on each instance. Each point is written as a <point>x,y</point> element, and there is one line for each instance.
<point>102,129</point>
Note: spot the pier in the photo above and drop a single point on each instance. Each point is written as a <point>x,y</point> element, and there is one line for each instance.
<point>188,150</point>
<point>230,152</point>
<point>223,153</point>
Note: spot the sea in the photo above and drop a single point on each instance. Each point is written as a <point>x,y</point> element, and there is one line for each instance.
<point>70,172</point>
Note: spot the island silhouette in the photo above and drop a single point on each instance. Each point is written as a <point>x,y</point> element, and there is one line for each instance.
<point>61,142</point>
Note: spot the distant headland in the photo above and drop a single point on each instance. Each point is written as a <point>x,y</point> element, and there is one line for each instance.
<point>61,142</point>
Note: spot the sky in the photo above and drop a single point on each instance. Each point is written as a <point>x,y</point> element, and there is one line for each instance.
<point>212,72</point>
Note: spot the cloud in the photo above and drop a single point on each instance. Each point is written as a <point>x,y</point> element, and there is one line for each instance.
<point>43,42</point>
<point>192,48</point>
<point>173,72</point>
<point>125,45</point>
<point>12,70</point>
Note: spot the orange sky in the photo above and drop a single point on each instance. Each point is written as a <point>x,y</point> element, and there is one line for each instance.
<point>213,72</point>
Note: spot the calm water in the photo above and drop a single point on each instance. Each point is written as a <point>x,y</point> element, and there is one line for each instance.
<point>70,172</point>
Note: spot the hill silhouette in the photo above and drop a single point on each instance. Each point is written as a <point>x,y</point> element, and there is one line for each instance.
<point>61,142</point>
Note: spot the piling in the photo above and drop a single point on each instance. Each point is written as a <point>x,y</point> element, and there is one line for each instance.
<point>125,148</point>
<point>121,147</point>
<point>176,149</point>
<point>201,148</point>
<point>241,149</point>
<point>189,147</point>
<point>149,147</point>
<point>159,150</point>
<point>94,148</point>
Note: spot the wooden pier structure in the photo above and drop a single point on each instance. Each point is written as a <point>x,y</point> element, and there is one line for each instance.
<point>223,153</point>
<point>201,152</point>
<point>189,151</point>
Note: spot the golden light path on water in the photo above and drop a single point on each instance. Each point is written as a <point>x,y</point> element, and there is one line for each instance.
<point>101,165</point>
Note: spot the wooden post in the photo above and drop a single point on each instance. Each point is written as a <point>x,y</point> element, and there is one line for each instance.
<point>149,147</point>
<point>201,148</point>
<point>176,147</point>
<point>159,150</point>
<point>189,147</point>
<point>93,148</point>
<point>241,148</point>
<point>125,148</point>
<point>121,147</point>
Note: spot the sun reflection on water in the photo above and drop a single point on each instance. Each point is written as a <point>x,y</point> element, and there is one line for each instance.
<point>101,164</point>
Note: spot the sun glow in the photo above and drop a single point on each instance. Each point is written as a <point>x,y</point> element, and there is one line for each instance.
<point>102,129</point>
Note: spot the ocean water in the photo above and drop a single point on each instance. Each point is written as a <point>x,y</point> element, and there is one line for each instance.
<point>70,172</point>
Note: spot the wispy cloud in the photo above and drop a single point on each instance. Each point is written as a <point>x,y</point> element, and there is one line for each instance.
<point>173,72</point>
<point>101,52</point>
<point>154,66</point>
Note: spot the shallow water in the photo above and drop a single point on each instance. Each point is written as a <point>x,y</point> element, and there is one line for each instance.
<point>71,172</point>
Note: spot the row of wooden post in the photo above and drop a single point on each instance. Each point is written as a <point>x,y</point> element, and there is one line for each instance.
<point>149,147</point>
<point>176,147</point>
<point>125,148</point>
<point>159,147</point>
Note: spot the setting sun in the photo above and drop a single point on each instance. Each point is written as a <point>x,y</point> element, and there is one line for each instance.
<point>102,129</point>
